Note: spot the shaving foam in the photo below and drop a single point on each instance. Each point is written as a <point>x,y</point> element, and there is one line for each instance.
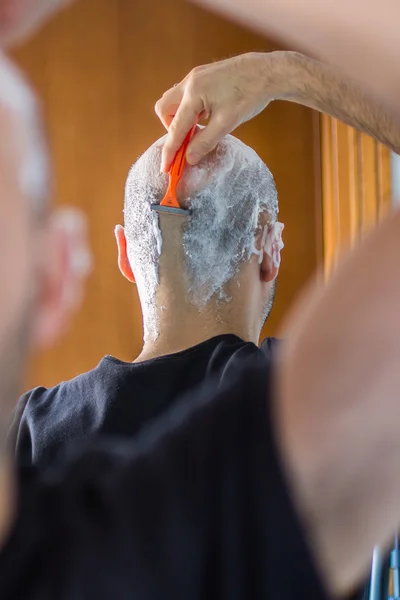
<point>274,244</point>
<point>227,193</point>
<point>157,232</point>
<point>271,244</point>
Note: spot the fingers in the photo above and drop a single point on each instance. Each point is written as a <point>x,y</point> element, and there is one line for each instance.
<point>186,115</point>
<point>205,92</point>
<point>207,139</point>
<point>167,106</point>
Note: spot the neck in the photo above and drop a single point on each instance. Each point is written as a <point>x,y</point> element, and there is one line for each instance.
<point>183,327</point>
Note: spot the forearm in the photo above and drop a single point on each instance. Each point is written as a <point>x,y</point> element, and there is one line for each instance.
<point>319,86</point>
<point>360,38</point>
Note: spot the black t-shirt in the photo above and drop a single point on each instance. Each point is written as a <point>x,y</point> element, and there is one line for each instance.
<point>119,398</point>
<point>196,508</point>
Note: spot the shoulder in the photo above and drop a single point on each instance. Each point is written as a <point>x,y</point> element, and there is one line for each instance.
<point>43,413</point>
<point>211,421</point>
<point>68,394</point>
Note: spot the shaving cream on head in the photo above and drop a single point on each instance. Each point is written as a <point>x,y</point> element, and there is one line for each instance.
<point>227,193</point>
<point>157,232</point>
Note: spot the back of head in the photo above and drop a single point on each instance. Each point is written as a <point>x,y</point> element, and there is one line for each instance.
<point>24,175</point>
<point>228,193</point>
<point>40,250</point>
<point>26,142</point>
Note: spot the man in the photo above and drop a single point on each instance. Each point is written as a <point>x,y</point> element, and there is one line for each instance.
<point>172,517</point>
<point>207,282</point>
<point>206,285</point>
<point>199,507</point>
<point>208,482</point>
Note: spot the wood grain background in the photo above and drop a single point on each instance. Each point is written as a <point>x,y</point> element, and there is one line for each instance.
<point>356,184</point>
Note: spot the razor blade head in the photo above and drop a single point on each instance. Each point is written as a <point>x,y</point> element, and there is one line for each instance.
<point>171,210</point>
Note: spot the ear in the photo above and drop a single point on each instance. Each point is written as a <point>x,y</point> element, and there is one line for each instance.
<point>268,271</point>
<point>123,261</point>
<point>66,264</point>
<point>271,246</point>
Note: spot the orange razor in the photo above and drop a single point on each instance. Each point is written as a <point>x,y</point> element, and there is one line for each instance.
<point>170,204</point>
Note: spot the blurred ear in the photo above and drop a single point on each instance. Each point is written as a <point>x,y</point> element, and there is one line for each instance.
<point>66,266</point>
<point>123,260</point>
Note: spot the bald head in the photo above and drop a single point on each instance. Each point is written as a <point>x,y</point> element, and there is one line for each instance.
<point>43,263</point>
<point>231,193</point>
<point>23,181</point>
